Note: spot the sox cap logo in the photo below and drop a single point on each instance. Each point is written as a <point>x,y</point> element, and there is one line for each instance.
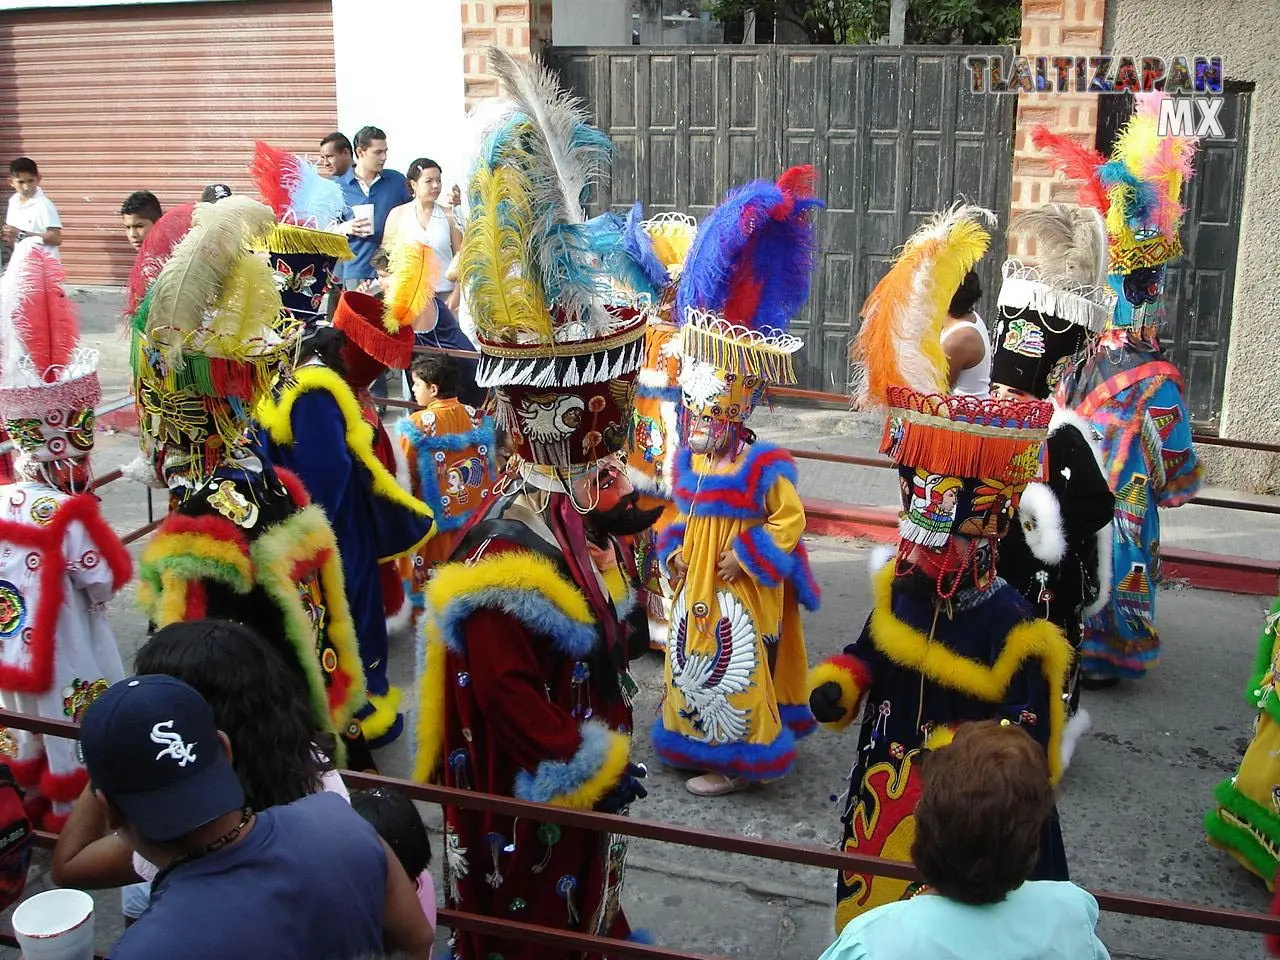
<point>174,746</point>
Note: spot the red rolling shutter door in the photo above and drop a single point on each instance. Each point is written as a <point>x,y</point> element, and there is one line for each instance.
<point>166,98</point>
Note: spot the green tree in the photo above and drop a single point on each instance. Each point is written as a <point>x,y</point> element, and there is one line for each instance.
<point>865,21</point>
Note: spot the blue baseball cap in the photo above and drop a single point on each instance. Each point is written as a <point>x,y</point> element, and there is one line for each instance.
<point>151,745</point>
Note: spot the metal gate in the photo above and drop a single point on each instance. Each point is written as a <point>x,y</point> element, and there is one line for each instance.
<point>1200,285</point>
<point>894,132</point>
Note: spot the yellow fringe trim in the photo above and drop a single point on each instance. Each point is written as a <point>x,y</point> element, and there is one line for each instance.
<point>301,537</point>
<point>385,708</point>
<point>430,739</point>
<point>906,645</point>
<point>289,238</point>
<point>275,415</point>
<point>603,780</point>
<point>850,692</point>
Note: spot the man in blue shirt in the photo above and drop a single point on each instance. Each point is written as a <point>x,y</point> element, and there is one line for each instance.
<point>306,881</point>
<point>369,183</point>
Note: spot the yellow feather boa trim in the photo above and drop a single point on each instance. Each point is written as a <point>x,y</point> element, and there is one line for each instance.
<point>275,414</point>
<point>1039,639</point>
<point>386,707</point>
<point>617,756</point>
<point>488,581</point>
<point>850,692</point>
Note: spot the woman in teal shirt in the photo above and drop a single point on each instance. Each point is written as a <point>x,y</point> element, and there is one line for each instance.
<point>978,822</point>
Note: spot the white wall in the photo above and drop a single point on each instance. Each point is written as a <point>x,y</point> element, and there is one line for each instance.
<point>409,84</point>
<point>585,23</point>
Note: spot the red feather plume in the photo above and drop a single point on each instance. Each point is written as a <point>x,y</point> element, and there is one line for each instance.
<point>45,320</point>
<point>272,169</point>
<point>155,252</point>
<point>1075,163</point>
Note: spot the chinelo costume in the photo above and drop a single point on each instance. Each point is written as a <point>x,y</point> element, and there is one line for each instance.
<point>319,421</point>
<point>657,249</point>
<point>1058,552</point>
<point>242,541</point>
<point>59,561</point>
<point>947,641</point>
<point>1244,820</point>
<point>735,697</point>
<point>524,687</point>
<point>301,252</point>
<point>1127,389</point>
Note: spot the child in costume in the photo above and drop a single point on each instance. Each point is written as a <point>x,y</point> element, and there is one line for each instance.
<point>1127,389</point>
<point>320,422</point>
<point>656,250</point>
<point>947,641</point>
<point>735,695</point>
<point>524,686</point>
<point>451,453</point>
<point>1058,553</point>
<point>242,541</point>
<point>60,563</point>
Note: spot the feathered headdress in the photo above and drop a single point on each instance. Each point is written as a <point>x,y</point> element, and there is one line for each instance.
<point>1069,279</point>
<point>209,337</point>
<point>748,274</point>
<point>155,252</point>
<point>558,341</point>
<point>48,383</point>
<point>902,364</point>
<point>899,342</point>
<point>300,249</point>
<point>1138,190</point>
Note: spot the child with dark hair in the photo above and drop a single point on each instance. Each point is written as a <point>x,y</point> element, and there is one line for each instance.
<point>451,454</point>
<point>396,819</point>
<point>31,213</point>
<point>139,213</point>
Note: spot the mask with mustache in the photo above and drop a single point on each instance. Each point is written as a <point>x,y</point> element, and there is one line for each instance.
<point>623,519</point>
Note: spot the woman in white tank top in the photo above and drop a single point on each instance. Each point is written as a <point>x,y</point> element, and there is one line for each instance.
<point>966,343</point>
<point>424,220</point>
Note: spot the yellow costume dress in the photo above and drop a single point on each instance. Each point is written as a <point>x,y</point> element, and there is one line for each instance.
<point>736,694</point>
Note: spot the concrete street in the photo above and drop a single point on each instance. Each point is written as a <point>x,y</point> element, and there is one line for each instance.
<point>1131,803</point>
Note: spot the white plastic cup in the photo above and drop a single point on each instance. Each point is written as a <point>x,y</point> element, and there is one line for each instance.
<point>55,925</point>
<point>363,211</point>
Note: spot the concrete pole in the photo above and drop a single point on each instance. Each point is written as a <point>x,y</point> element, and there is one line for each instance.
<point>897,22</point>
<point>651,22</point>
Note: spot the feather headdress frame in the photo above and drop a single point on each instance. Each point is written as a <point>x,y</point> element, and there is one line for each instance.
<point>899,341</point>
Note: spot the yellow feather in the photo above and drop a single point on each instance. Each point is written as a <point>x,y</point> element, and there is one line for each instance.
<point>249,302</point>
<point>495,267</point>
<point>412,283</point>
<point>193,276</point>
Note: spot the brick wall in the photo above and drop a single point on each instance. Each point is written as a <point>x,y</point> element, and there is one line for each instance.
<point>1052,28</point>
<point>520,27</point>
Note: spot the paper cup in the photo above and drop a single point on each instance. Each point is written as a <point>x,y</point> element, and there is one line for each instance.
<point>363,211</point>
<point>55,925</point>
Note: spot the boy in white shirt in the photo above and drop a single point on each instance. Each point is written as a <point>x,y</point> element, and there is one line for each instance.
<point>31,213</point>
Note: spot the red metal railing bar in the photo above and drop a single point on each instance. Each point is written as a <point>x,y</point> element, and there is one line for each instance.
<point>725,843</point>
<point>588,944</point>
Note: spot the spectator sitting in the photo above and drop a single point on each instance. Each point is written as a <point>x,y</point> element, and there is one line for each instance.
<point>31,213</point>
<point>139,212</point>
<point>215,192</point>
<point>310,880</point>
<point>396,819</point>
<point>978,821</point>
<point>262,706</point>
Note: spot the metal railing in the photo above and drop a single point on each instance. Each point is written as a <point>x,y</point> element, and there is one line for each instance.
<point>802,854</point>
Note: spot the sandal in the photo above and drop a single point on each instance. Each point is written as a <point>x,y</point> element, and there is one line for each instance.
<point>716,785</point>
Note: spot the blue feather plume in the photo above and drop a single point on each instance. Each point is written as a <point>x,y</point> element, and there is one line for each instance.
<point>639,249</point>
<point>754,255</point>
<point>315,198</point>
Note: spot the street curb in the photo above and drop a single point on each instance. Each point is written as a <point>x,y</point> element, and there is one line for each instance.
<point>1205,571</point>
